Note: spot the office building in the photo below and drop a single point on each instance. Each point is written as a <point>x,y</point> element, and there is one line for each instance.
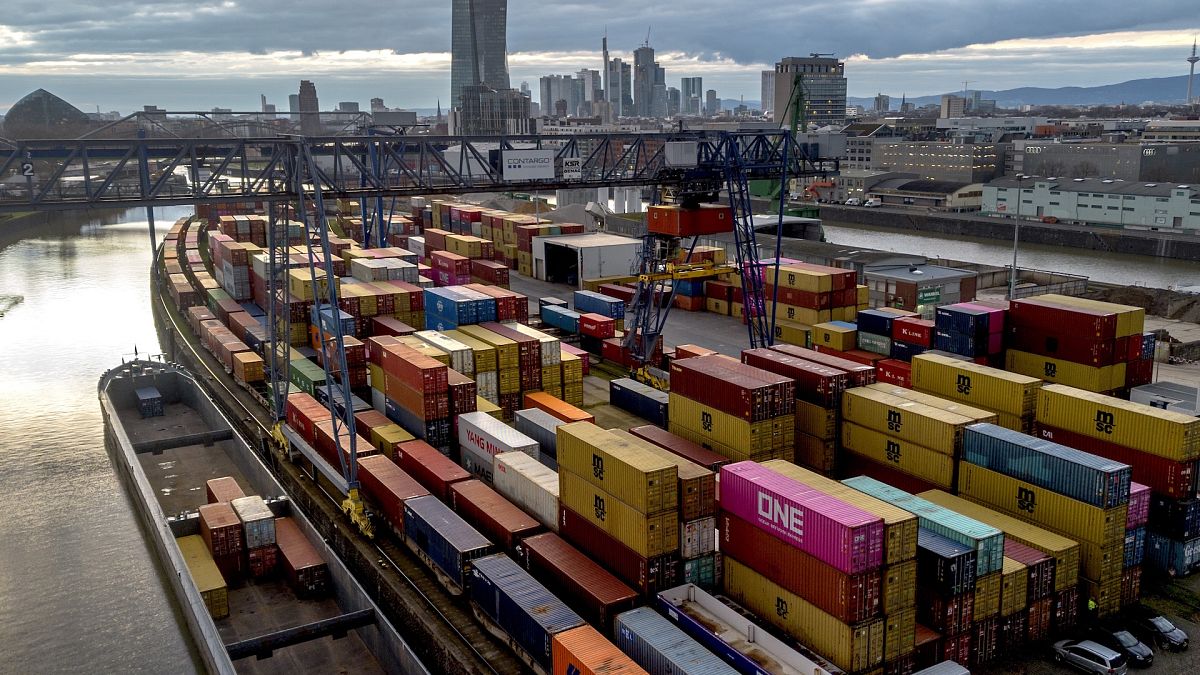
<point>940,160</point>
<point>824,82</point>
<point>620,87</point>
<point>649,84</point>
<point>1144,162</point>
<point>309,108</point>
<point>691,89</point>
<point>768,91</point>
<point>478,45</point>
<point>953,106</point>
<point>712,105</point>
<point>377,105</point>
<point>673,102</point>
<point>492,112</point>
<point>294,106</point>
<point>348,106</point>
<point>883,103</point>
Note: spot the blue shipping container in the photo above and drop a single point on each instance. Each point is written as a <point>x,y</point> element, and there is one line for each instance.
<point>960,343</point>
<point>1172,556</point>
<point>324,317</point>
<point>1135,546</point>
<point>944,565</point>
<point>1098,481</point>
<point>876,321</point>
<point>965,320</point>
<point>339,399</point>
<point>987,541</point>
<point>1176,518</point>
<point>433,432</point>
<point>640,399</point>
<point>905,351</point>
<point>449,542</point>
<point>690,287</point>
<point>658,645</point>
<point>561,318</point>
<point>253,309</point>
<point>520,606</point>
<point>590,302</point>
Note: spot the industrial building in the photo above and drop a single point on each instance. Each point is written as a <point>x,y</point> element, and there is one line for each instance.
<point>1177,162</point>
<point>919,288</point>
<point>1097,201</point>
<point>924,194</point>
<point>941,160</point>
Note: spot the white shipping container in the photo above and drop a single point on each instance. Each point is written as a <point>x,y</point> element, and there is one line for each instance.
<point>488,386</point>
<point>527,483</point>
<point>482,432</point>
<point>698,537</point>
<point>258,523</point>
<point>400,270</point>
<point>462,357</point>
<point>368,269</point>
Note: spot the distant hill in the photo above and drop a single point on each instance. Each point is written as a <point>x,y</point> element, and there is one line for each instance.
<point>1156,89</point>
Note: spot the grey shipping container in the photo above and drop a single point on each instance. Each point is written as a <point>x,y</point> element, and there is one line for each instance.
<point>540,426</point>
<point>1098,481</point>
<point>450,544</point>
<point>660,646</point>
<point>522,608</point>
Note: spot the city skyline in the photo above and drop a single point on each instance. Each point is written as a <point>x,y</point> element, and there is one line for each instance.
<point>111,65</point>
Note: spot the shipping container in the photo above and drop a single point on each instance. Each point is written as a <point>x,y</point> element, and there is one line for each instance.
<point>1176,518</point>
<point>1169,477</point>
<point>1014,587</point>
<point>495,517</point>
<point>975,384</point>
<point>899,586</point>
<point>697,485</point>
<point>592,591</point>
<point>1097,481</point>
<point>625,469</point>
<point>860,375</point>
<point>944,566</point>
<point>646,575</point>
<point>525,612</point>
<point>429,467</point>
<point>1135,547</point>
<point>899,640</point>
<point>490,437</point>
<point>816,384</point>
<point>905,419</point>
<point>584,651</point>
<point>388,487</point>
<point>541,426</point>
<point>727,433</point>
<point>224,489</point>
<point>988,541</point>
<point>648,535</point>
<point>1069,373</point>
<point>1064,551</point>
<point>528,484</point>
<point>306,571</point>
<point>221,530</point>
<point>747,393</point>
<point>642,400</point>
<point>205,575</point>
<point>1139,505</point>
<point>681,446</point>
<point>899,526</point>
<point>258,522</point>
<point>443,540</point>
<point>1172,557</point>
<point>849,597</point>
<point>1163,433</point>
<point>853,648</point>
<point>837,335</point>
<point>950,615</point>
<point>937,468</point>
<point>659,646</point>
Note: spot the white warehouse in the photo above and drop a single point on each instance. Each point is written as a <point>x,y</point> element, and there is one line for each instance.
<point>1117,203</point>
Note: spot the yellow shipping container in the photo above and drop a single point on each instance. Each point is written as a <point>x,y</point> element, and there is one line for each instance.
<point>627,471</point>
<point>899,586</point>
<point>1164,433</point>
<point>899,526</point>
<point>1070,517</point>
<point>1014,587</point>
<point>734,432</point>
<point>487,407</point>
<point>485,354</point>
<point>697,485</point>
<point>1130,320</point>
<point>1101,563</point>
<point>508,381</point>
<point>727,451</point>
<point>804,279</point>
<point>864,295</point>
<point>816,453</point>
<point>854,648</point>
<point>1106,594</point>
<point>929,465</point>
<point>716,306</point>
<point>978,385</point>
<point>1060,371</point>
<point>386,438</point>
<point>987,595</point>
<point>848,313</point>
<point>899,633</point>
<point>976,415</point>
<point>375,377</point>
<point>425,348</point>
<point>788,333</point>
<point>816,421</point>
<point>899,417</point>
<point>205,574</point>
<point>648,536</point>
<point>300,283</point>
<point>1064,551</point>
<point>507,356</point>
<point>841,338</point>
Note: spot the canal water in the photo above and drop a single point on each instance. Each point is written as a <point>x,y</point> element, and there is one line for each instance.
<point>1130,270</point>
<point>80,590</point>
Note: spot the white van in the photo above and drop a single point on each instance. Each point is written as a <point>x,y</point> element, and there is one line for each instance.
<point>854,201</point>
<point>873,202</point>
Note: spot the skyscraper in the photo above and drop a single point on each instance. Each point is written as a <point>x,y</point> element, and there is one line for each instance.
<point>712,104</point>
<point>883,103</point>
<point>478,45</point>
<point>620,87</point>
<point>605,83</point>
<point>310,118</point>
<point>768,90</point>
<point>691,94</point>
<point>647,75</point>
<point>824,90</point>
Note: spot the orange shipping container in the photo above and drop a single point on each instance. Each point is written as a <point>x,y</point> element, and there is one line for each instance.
<point>584,651</point>
<point>557,407</point>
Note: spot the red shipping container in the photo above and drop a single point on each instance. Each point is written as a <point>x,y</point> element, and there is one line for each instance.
<point>1174,479</point>
<point>746,392</point>
<point>913,331</point>
<point>718,290</point>
<point>388,487</point>
<point>614,350</point>
<point>429,467</point>
<point>1041,569</point>
<point>1139,372</point>
<point>855,355</point>
<point>1074,321</point>
<point>815,383</point>
<point>597,326</point>
<point>367,420</point>
<point>221,529</point>
<point>617,291</point>
<point>849,597</point>
<point>306,571</point>
<point>494,516</point>
<point>1066,610</point>
<point>894,371</point>
<point>427,406</point>
<point>1013,630</point>
<point>224,489</point>
<point>436,238</point>
<point>1131,585</point>
<point>231,567</point>
<point>491,272</point>
<point>325,446</point>
<point>582,583</point>
<point>860,374</point>
<point>676,221</point>
<point>680,446</point>
<point>795,297</point>
<point>1040,612</point>
<point>985,641</point>
<point>461,390</point>
<point>1054,342</point>
<point>261,561</point>
<point>692,351</point>
<point>419,372</point>
<point>648,576</point>
<point>957,648</point>
<point>948,615</point>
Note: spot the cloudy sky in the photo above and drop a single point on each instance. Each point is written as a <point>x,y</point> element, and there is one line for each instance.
<point>198,54</point>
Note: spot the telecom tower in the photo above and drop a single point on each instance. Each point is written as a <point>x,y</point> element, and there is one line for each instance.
<point>1192,71</point>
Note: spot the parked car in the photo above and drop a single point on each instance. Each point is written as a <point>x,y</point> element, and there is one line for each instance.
<point>1090,657</point>
<point>1116,638</point>
<point>873,202</point>
<point>1154,628</point>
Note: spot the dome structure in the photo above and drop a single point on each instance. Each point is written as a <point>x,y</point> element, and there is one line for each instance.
<point>44,115</point>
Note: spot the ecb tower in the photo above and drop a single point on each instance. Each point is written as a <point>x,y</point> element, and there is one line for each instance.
<point>478,45</point>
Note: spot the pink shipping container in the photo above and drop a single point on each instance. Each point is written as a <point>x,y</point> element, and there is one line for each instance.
<point>825,527</point>
<point>1139,505</point>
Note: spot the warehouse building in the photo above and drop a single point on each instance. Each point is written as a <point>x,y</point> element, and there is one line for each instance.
<point>570,258</point>
<point>942,195</point>
<point>1096,201</point>
<point>919,288</point>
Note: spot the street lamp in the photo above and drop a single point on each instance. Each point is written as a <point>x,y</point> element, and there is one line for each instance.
<point>1012,277</point>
